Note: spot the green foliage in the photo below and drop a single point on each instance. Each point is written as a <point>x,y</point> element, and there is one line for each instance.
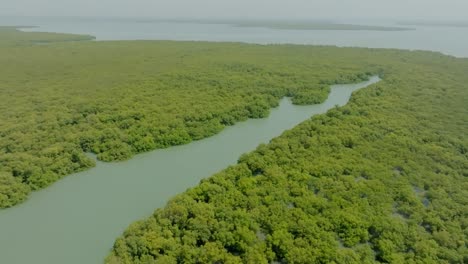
<point>12,37</point>
<point>380,180</point>
<point>12,191</point>
<point>116,99</point>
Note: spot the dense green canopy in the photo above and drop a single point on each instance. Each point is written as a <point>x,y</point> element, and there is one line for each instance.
<point>382,179</point>
<point>64,99</point>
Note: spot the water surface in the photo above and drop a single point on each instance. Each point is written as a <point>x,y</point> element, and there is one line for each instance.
<point>448,40</point>
<point>77,219</point>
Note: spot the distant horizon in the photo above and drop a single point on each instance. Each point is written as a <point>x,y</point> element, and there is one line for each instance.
<point>231,18</point>
<point>434,10</point>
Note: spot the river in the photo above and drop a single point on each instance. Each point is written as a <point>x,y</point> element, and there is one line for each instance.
<point>77,219</point>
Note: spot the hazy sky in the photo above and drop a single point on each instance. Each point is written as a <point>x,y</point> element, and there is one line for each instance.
<point>435,9</point>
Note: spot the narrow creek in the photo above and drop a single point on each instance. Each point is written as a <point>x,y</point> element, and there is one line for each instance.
<point>77,219</point>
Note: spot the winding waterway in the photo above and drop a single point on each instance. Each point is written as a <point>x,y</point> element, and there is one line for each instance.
<point>77,219</point>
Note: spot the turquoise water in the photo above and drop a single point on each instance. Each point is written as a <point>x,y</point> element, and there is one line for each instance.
<point>77,219</point>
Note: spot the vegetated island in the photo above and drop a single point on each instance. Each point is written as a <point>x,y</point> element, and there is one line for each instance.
<point>382,179</point>
<point>10,36</point>
<point>317,26</point>
<point>284,24</point>
<point>459,24</point>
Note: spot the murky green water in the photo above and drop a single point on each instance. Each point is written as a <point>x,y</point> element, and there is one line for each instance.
<point>77,219</point>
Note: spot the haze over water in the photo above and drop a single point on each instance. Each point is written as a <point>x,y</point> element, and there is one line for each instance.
<point>448,40</point>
